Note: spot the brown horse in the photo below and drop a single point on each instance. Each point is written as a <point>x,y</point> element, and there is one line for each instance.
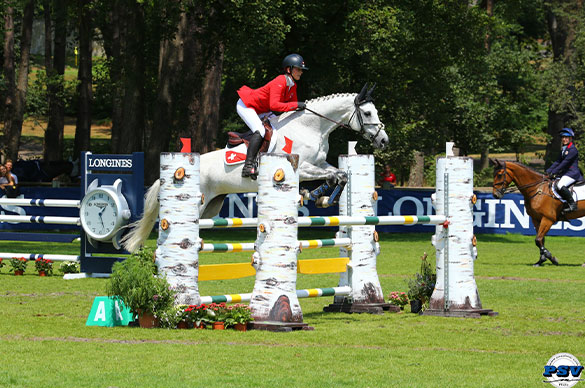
<point>541,205</point>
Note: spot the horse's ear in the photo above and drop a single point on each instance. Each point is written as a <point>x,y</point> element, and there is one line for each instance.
<point>360,97</point>
<point>369,93</point>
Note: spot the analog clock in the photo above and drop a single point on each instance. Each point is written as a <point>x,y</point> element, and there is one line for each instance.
<point>103,213</point>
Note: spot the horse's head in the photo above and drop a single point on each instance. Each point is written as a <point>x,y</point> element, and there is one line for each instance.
<point>501,178</point>
<point>365,119</point>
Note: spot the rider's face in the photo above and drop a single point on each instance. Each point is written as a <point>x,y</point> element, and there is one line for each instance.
<point>566,140</point>
<point>296,73</point>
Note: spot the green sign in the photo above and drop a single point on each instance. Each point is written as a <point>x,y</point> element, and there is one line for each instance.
<point>109,312</point>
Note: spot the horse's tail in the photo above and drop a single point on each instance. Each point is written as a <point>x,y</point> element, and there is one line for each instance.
<point>141,229</point>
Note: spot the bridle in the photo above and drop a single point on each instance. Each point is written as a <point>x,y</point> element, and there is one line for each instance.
<point>357,113</point>
<point>504,189</point>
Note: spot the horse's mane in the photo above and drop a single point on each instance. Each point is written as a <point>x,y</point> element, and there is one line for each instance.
<point>526,167</point>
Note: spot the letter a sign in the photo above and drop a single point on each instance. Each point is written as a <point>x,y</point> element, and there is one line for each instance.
<point>108,312</point>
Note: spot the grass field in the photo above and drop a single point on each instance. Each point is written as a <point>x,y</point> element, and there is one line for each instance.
<point>45,343</point>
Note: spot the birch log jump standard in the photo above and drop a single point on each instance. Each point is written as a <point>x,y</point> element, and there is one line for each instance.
<point>455,291</point>
<point>177,254</point>
<point>274,303</point>
<point>361,276</point>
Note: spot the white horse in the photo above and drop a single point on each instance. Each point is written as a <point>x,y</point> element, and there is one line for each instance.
<point>304,133</point>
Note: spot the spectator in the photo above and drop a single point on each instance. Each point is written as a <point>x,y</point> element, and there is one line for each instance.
<point>7,183</point>
<point>387,178</point>
<point>8,165</point>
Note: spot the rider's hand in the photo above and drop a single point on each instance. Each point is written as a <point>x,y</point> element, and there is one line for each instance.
<point>301,105</point>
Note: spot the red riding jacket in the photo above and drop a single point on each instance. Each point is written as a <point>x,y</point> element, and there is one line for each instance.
<point>275,96</point>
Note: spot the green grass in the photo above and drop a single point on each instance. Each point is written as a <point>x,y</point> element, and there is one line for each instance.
<point>45,343</point>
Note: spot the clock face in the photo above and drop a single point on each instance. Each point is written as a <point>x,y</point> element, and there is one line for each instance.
<point>99,214</point>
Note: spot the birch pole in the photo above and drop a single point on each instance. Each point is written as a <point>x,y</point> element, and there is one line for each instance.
<point>178,242</point>
<point>274,302</point>
<point>455,291</point>
<point>358,199</point>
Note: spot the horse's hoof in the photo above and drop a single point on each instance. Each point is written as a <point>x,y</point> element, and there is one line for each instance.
<point>539,263</point>
<point>554,260</point>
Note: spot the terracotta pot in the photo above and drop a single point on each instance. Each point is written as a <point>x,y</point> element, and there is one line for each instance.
<point>182,325</point>
<point>241,326</point>
<point>18,273</point>
<point>218,325</point>
<point>147,320</point>
<point>42,273</point>
<point>200,326</point>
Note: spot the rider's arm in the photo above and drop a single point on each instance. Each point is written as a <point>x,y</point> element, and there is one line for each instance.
<point>279,100</point>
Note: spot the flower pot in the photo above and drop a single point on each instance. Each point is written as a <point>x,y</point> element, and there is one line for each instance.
<point>18,273</point>
<point>241,326</point>
<point>201,325</point>
<point>218,325</point>
<point>415,306</point>
<point>182,325</point>
<point>42,273</point>
<point>147,320</point>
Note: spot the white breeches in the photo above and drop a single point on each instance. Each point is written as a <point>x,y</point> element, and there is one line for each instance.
<point>565,181</point>
<point>251,118</point>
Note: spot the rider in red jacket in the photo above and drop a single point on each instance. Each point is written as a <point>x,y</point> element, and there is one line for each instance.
<point>278,95</point>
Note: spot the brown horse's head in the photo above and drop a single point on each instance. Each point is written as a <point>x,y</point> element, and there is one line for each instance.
<point>501,178</point>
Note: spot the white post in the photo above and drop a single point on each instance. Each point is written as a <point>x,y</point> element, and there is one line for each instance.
<point>177,255</point>
<point>274,303</point>
<point>455,291</point>
<point>358,199</point>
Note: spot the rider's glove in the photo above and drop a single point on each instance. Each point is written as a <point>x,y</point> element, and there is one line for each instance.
<point>301,105</point>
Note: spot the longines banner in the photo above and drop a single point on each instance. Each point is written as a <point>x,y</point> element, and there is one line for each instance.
<point>490,215</point>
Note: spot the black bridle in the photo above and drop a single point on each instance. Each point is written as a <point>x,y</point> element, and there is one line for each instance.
<point>505,189</point>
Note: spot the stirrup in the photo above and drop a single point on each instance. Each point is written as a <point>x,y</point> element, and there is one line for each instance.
<point>249,171</point>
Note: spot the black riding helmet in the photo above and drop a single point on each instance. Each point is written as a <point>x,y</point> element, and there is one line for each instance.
<point>294,60</point>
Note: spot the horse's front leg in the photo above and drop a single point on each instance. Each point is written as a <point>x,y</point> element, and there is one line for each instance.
<point>335,179</point>
<point>542,229</point>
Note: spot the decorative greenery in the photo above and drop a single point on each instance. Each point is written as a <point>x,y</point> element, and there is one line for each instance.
<point>197,314</point>
<point>136,282</point>
<point>45,265</point>
<point>422,285</point>
<point>398,298</point>
<point>1,263</point>
<point>218,312</point>
<point>18,264</point>
<point>69,267</point>
<point>238,313</point>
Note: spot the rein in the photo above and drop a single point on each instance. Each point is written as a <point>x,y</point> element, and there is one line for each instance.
<point>506,190</point>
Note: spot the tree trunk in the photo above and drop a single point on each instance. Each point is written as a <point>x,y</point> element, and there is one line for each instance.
<point>83,125</point>
<point>14,131</point>
<point>48,37</point>
<point>9,76</point>
<point>158,136</point>
<point>114,29</point>
<point>53,146</point>
<point>416,178</point>
<point>562,26</point>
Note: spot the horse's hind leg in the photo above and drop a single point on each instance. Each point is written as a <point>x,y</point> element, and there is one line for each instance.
<point>542,228</point>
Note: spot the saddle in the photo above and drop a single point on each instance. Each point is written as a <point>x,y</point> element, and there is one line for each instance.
<point>236,138</point>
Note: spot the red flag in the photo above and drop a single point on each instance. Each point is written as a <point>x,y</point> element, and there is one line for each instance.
<point>288,146</point>
<point>186,144</point>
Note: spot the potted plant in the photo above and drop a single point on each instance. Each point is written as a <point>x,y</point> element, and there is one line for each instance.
<point>198,315</point>
<point>69,267</point>
<point>44,266</point>
<point>19,265</point>
<point>238,316</point>
<point>398,298</point>
<point>421,287</point>
<point>1,263</point>
<point>218,314</point>
<point>136,282</point>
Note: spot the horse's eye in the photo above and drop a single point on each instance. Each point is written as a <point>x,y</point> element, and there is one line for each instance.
<point>367,114</point>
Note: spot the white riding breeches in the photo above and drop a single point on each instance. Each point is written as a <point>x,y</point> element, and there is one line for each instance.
<point>251,118</point>
<point>565,181</point>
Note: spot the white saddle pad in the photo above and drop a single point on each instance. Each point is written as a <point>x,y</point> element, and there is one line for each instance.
<point>577,191</point>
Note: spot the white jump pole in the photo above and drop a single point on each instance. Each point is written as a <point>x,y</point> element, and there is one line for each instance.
<point>177,255</point>
<point>455,291</point>
<point>358,199</point>
<point>274,302</point>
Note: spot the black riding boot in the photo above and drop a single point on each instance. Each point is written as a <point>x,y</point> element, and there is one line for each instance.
<point>566,194</point>
<point>254,144</point>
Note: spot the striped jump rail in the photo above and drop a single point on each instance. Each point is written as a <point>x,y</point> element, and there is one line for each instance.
<point>40,202</point>
<point>329,221</point>
<point>34,256</point>
<point>307,293</point>
<point>41,220</point>
<point>249,247</point>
